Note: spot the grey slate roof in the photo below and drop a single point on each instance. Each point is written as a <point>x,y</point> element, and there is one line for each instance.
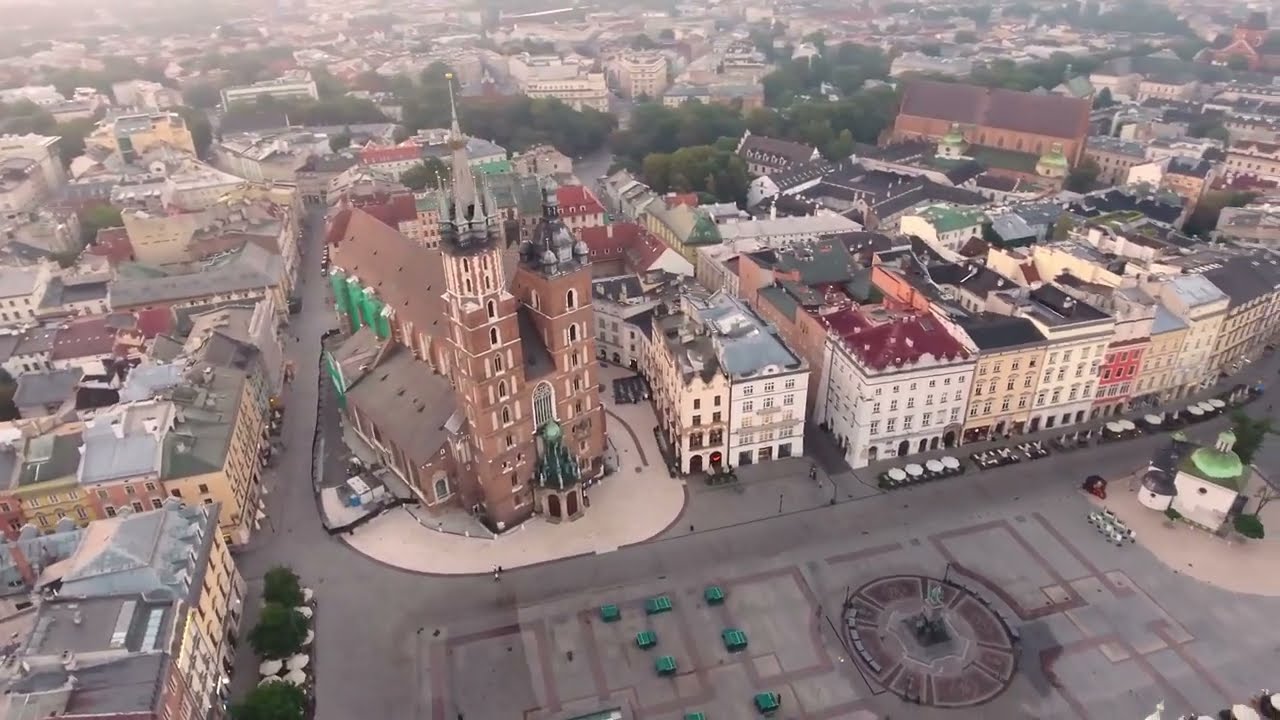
<point>407,402</point>
<point>46,388</point>
<point>251,268</point>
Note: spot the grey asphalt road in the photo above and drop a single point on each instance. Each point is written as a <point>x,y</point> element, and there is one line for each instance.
<point>369,614</point>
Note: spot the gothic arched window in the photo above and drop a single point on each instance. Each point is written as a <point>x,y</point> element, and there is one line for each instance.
<point>571,299</point>
<point>497,363</point>
<point>544,404</point>
<point>573,333</point>
<point>493,337</point>
<point>492,308</point>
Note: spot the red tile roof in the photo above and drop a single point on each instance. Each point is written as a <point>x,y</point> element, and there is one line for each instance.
<point>677,199</point>
<point>113,244</point>
<point>155,321</point>
<point>898,342</point>
<point>644,252</point>
<point>89,337</point>
<point>394,210</point>
<point>1052,115</point>
<point>610,241</point>
<point>337,226</point>
<point>577,200</point>
<point>390,154</point>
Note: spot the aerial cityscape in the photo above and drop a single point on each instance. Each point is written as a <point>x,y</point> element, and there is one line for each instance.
<point>530,360</point>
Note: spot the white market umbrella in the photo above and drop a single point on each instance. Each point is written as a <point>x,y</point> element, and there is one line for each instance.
<point>296,677</point>
<point>1154,419</point>
<point>897,474</point>
<point>1219,404</point>
<point>1275,701</point>
<point>271,679</point>
<point>950,462</point>
<point>914,469</point>
<point>307,594</point>
<point>1205,406</point>
<point>299,661</point>
<point>1114,427</point>
<point>305,611</point>
<point>310,638</point>
<point>1195,410</point>
<point>270,667</point>
<point>933,466</point>
<point>1244,712</point>
<point>1127,425</point>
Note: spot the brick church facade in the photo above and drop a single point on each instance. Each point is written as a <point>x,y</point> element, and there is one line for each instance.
<point>994,118</point>
<point>518,426</point>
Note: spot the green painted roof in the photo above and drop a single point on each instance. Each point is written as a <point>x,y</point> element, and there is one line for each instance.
<point>704,232</point>
<point>1220,467</point>
<point>1004,159</point>
<point>946,218</point>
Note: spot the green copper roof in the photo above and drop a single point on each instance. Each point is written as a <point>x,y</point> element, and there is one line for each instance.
<point>557,469</point>
<point>1055,157</point>
<point>704,232</point>
<point>946,218</point>
<point>1218,466</point>
<point>954,136</point>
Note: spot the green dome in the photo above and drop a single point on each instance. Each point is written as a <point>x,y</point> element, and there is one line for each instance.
<point>551,432</point>
<point>1054,158</point>
<point>1215,464</point>
<point>954,136</point>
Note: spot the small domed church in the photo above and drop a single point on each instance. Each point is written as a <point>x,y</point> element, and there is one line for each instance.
<point>514,359</point>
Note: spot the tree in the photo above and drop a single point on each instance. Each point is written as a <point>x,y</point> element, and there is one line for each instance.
<point>1083,176</point>
<point>202,95</point>
<point>281,586</point>
<point>1062,228</point>
<point>1265,495</point>
<point>1204,219</point>
<point>95,218</point>
<point>72,134</point>
<point>1250,526</point>
<point>273,701</point>
<point>279,633</point>
<point>1250,433</point>
<point>966,37</point>
<point>667,34</point>
<point>427,174</point>
<point>341,140</point>
<point>1103,99</point>
<point>8,411</point>
<point>201,129</point>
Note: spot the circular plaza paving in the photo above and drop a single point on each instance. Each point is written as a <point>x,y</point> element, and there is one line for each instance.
<point>966,657</point>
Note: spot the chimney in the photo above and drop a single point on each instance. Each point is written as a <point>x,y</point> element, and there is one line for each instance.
<point>773,209</point>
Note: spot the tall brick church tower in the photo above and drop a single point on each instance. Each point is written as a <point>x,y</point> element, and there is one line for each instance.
<point>522,358</point>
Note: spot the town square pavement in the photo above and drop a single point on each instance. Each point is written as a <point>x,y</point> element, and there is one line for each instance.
<point>1106,631</point>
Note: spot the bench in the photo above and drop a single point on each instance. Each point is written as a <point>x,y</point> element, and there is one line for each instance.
<point>665,665</point>
<point>659,604</point>
<point>714,595</point>
<point>610,613</point>
<point>646,639</point>
<point>767,702</point>
<point>734,640</point>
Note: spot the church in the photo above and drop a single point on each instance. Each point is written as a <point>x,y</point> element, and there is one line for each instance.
<point>496,409</point>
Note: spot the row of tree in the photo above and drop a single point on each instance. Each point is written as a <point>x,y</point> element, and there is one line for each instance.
<point>713,171</point>
<point>279,634</point>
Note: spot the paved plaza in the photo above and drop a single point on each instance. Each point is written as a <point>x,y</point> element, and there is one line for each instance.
<point>1105,631</point>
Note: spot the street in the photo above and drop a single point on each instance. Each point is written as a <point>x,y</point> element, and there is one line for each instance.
<point>390,643</point>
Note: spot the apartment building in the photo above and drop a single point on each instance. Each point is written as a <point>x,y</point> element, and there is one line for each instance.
<point>727,390</point>
<point>548,76</point>
<point>22,292</point>
<point>641,74</point>
<point>43,477</point>
<point>139,620</point>
<point>164,238</point>
<point>1158,374</point>
<point>895,383</point>
<point>287,88</point>
<point>1114,157</point>
<point>1011,352</point>
<point>1203,306</point>
<point>624,310</point>
<point>131,135</point>
<point>944,226</point>
<point>1252,286</point>
<point>43,150</point>
<point>1257,159</point>
<point>146,95</point>
<point>1077,335</point>
<point>277,156</point>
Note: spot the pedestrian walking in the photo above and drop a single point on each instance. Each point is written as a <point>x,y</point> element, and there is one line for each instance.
<point>495,575</point>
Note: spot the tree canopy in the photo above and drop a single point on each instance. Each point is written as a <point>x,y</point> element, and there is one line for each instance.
<point>279,632</point>
<point>1250,433</point>
<point>273,701</point>
<point>95,218</point>
<point>1204,219</point>
<point>846,67</point>
<point>426,174</point>
<point>716,171</point>
<point>340,110</point>
<point>281,585</point>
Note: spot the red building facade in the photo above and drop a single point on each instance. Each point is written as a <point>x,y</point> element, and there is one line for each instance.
<point>1117,376</point>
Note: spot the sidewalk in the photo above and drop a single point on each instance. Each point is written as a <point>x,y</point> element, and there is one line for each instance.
<point>1234,565</point>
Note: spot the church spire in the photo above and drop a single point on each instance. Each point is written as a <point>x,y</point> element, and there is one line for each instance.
<point>465,206</point>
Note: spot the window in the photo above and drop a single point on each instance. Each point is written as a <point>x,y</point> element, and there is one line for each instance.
<point>506,415</point>
<point>150,487</point>
<point>176,493</point>
<point>492,307</point>
<point>925,419</point>
<point>788,399</point>
<point>573,333</point>
<point>911,402</point>
<point>1009,385</point>
<point>502,388</point>
<point>715,416</point>
<point>891,424</point>
<point>697,403</point>
<point>493,337</point>
<point>129,490</point>
<point>768,387</point>
<point>893,406</point>
<point>789,384</point>
<point>748,406</point>
<point>497,363</point>
<point>716,401</point>
<point>137,506</point>
<point>101,494</point>
<point>697,419</point>
<point>906,423</point>
<point>80,513</point>
<point>110,511</point>
<point>766,403</point>
<point>955,414</point>
<point>544,409</point>
<point>571,299</point>
<point>875,408</point>
<point>156,503</point>
<point>203,488</point>
<point>875,427</point>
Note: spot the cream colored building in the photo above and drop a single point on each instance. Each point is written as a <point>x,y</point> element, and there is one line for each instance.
<point>642,73</point>
<point>1011,353</point>
<point>131,135</point>
<point>1253,315</point>
<point>1203,307</point>
<point>549,76</point>
<point>1253,158</point>
<point>1158,376</point>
